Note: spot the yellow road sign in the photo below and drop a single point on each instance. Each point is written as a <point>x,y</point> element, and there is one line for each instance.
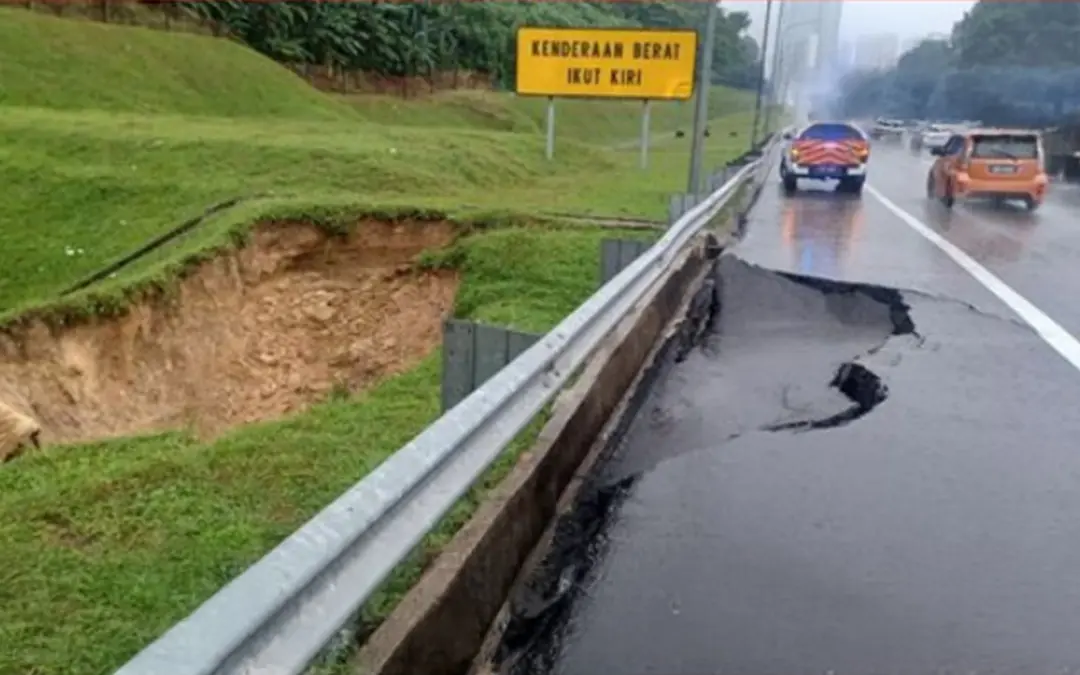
<point>606,63</point>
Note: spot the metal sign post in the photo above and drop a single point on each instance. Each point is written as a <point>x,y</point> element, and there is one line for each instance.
<point>549,149</point>
<point>646,108</point>
<point>642,64</point>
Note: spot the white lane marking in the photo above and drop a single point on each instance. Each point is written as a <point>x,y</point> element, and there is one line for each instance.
<point>1058,338</point>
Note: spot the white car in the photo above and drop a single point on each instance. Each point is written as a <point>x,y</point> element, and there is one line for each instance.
<point>885,129</point>
<point>933,136</point>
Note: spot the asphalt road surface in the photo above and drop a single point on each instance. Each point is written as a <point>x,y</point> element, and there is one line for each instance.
<point>849,479</point>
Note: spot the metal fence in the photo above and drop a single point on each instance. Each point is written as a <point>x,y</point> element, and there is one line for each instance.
<point>681,203</point>
<point>617,254</point>
<point>473,353</point>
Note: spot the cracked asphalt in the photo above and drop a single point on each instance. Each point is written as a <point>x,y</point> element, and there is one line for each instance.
<point>869,466</point>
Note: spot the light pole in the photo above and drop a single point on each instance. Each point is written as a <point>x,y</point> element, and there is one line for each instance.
<point>775,80</point>
<point>761,75</point>
<point>701,109</point>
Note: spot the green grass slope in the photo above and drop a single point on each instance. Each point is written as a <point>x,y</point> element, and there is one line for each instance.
<point>48,62</point>
<point>82,189</point>
<point>594,122</point>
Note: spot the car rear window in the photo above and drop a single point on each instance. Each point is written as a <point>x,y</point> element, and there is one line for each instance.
<point>1012,146</point>
<point>830,132</point>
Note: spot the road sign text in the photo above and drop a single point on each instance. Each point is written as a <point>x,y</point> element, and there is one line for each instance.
<point>640,64</point>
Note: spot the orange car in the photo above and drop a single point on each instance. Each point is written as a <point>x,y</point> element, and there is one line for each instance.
<point>998,164</point>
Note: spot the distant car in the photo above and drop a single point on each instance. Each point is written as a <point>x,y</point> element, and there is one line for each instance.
<point>887,129</point>
<point>826,151</point>
<point>997,164</point>
<point>932,136</point>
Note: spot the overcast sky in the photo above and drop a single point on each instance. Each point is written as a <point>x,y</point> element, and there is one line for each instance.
<point>906,18</point>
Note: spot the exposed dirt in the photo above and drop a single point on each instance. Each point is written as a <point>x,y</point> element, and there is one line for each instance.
<point>252,335</point>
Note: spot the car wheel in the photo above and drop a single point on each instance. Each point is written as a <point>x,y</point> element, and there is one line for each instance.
<point>1031,204</point>
<point>791,184</point>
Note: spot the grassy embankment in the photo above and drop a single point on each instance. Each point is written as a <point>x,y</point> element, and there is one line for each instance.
<point>112,135</point>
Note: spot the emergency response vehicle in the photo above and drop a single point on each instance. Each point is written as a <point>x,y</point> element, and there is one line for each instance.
<point>826,151</point>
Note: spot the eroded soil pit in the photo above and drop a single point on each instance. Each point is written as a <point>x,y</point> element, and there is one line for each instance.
<point>259,333</point>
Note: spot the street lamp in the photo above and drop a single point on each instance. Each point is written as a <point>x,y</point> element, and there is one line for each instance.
<point>761,74</point>
<point>701,110</point>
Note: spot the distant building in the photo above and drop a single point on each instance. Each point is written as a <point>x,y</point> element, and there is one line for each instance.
<point>806,34</point>
<point>877,52</point>
<point>809,37</point>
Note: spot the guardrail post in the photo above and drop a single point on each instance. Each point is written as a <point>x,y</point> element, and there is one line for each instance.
<point>679,204</point>
<point>472,353</point>
<point>675,208</point>
<point>617,254</point>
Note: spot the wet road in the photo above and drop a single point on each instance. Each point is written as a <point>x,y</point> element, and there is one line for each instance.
<point>846,479</point>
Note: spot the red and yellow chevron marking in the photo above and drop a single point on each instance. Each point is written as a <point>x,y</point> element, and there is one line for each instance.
<point>813,152</point>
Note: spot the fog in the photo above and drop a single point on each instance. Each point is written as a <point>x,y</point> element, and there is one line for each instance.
<point>906,18</point>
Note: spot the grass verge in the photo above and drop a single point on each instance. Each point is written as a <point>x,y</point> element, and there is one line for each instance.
<point>84,189</point>
<point>123,538</point>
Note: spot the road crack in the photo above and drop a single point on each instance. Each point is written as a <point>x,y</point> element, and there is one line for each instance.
<point>859,384</point>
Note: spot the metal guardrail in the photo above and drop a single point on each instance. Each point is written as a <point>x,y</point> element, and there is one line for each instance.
<point>277,616</point>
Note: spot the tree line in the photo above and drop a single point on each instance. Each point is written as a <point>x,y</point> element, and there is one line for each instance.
<point>409,39</point>
<point>1005,64</point>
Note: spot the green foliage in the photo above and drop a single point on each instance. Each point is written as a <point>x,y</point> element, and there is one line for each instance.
<point>1027,34</point>
<point>414,38</point>
<point>1006,63</point>
<point>903,90</point>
